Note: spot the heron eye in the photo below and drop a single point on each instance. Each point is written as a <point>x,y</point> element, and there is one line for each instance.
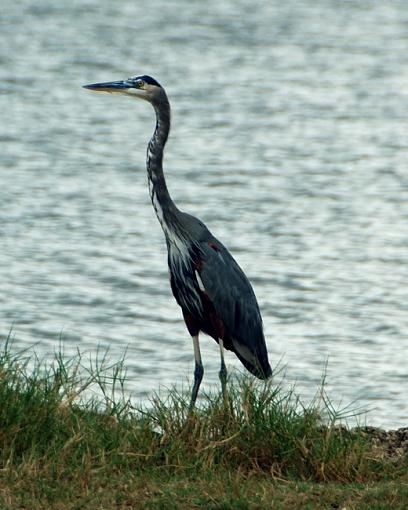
<point>140,83</point>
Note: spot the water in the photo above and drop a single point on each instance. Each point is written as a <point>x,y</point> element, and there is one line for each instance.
<point>289,140</point>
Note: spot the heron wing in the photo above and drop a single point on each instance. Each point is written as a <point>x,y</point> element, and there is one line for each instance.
<point>235,304</point>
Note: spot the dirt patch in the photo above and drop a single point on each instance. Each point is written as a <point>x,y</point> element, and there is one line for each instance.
<point>392,444</point>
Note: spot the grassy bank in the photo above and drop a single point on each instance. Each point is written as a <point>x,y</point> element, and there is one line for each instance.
<point>62,448</point>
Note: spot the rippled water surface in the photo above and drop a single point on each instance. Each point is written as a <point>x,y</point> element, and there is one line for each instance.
<point>289,140</point>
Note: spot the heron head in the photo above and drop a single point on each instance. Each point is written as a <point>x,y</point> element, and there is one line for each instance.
<point>143,87</point>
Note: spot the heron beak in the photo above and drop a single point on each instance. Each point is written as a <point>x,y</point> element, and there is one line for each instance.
<point>110,86</point>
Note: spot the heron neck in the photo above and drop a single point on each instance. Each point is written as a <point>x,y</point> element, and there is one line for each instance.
<point>163,204</point>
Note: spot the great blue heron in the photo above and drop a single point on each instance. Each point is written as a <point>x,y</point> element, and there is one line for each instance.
<point>213,292</point>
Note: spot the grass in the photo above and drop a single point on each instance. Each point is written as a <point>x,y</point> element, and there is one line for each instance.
<point>70,438</point>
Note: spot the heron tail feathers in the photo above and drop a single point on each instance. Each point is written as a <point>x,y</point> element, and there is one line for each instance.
<point>255,361</point>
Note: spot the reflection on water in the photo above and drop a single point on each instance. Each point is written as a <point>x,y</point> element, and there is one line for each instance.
<point>289,140</point>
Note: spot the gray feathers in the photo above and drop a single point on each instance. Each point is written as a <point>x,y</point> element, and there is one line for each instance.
<point>212,290</point>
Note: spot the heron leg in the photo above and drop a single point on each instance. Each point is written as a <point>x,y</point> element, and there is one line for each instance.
<point>198,371</point>
<point>222,374</point>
